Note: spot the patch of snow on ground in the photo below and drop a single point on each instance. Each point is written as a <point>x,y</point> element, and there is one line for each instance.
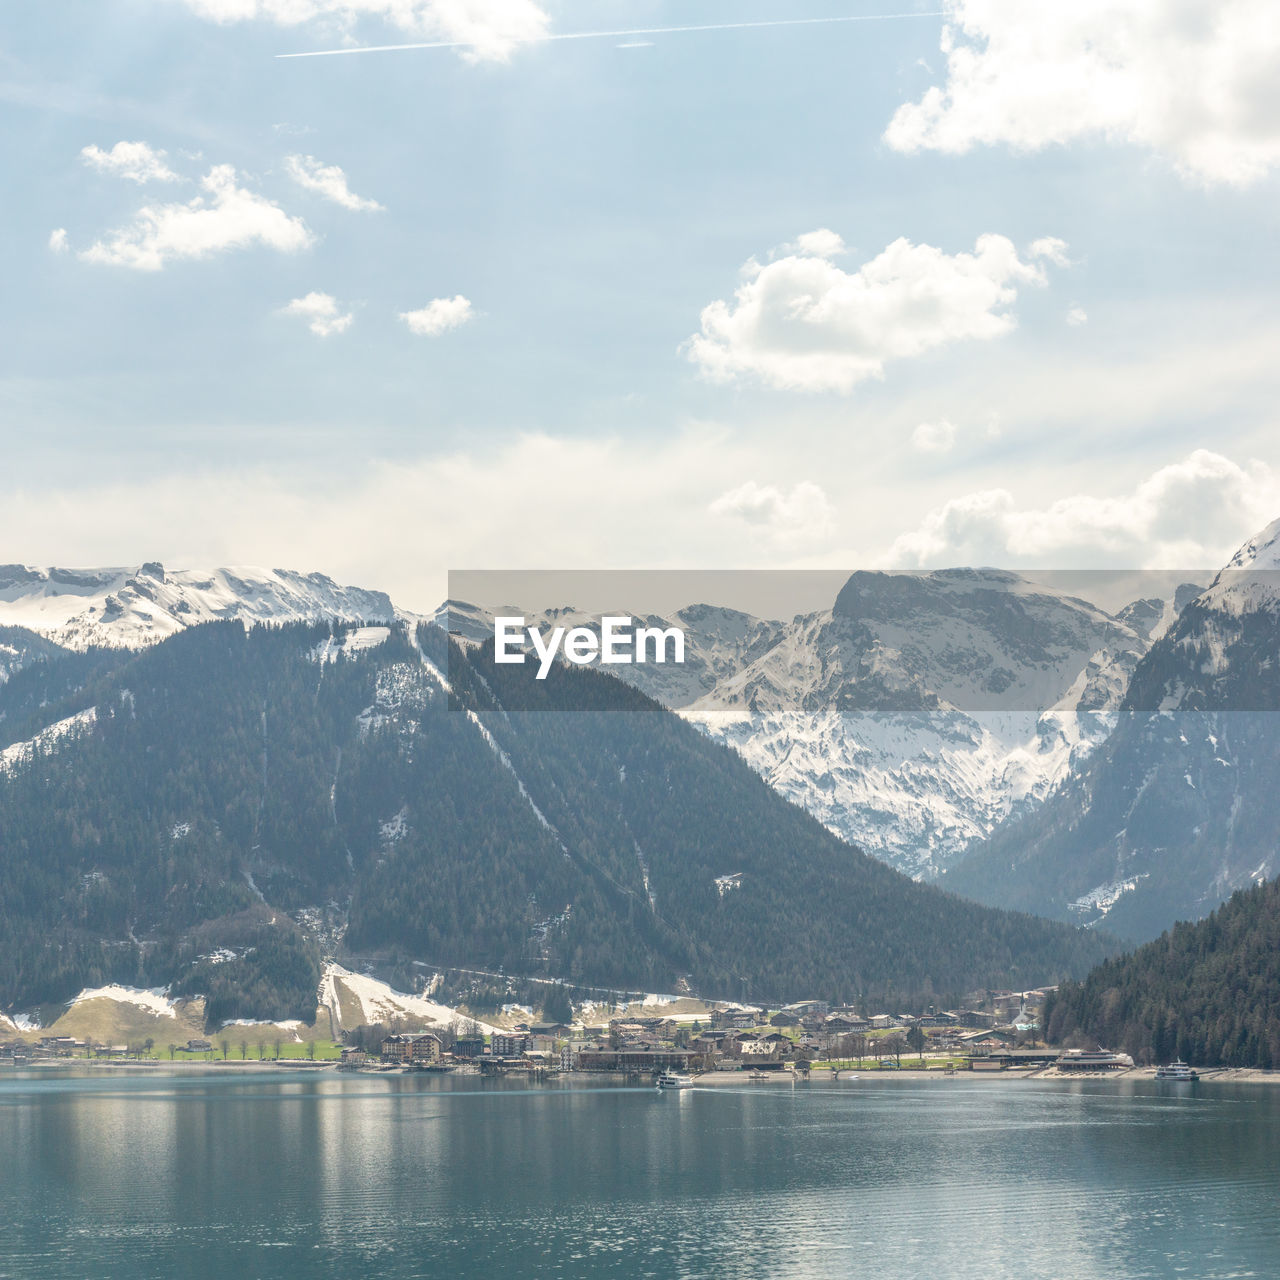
<point>393,830</point>
<point>356,641</point>
<point>380,1002</point>
<point>1105,896</point>
<point>505,761</point>
<point>154,1001</point>
<point>287,1024</point>
<point>21,752</point>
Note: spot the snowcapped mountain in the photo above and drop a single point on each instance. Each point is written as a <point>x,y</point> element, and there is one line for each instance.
<point>18,647</point>
<point>913,716</point>
<point>215,813</point>
<point>1180,806</point>
<point>132,607</point>
<point>922,710</point>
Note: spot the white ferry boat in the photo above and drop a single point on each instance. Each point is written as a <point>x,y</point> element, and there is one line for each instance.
<point>1176,1071</point>
<point>674,1080</point>
<point>1093,1060</point>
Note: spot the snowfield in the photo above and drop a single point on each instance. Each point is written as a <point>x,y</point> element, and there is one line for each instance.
<point>379,1002</point>
<point>132,607</point>
<point>155,1002</point>
<point>22,752</point>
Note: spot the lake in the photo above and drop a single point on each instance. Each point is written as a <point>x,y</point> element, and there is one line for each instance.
<point>272,1174</point>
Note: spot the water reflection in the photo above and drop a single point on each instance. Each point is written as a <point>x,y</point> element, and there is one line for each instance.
<point>262,1174</point>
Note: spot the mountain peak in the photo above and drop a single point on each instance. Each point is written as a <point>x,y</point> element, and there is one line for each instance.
<point>1251,579</point>
<point>1261,552</point>
<point>132,607</point>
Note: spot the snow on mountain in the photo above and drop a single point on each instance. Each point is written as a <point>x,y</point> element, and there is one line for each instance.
<point>133,607</point>
<point>19,647</point>
<point>924,709</point>
<point>914,715</point>
<point>721,642</point>
<point>1178,808</point>
<point>19,753</point>
<point>355,999</point>
<point>154,1001</point>
<point>1250,582</point>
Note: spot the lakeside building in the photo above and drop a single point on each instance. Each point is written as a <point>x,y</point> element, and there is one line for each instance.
<point>801,1007</point>
<point>1006,1059</point>
<point>510,1044</point>
<point>638,1060</point>
<point>414,1047</point>
<point>840,1023</point>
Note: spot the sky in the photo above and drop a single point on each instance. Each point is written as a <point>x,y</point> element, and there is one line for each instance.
<point>990,285</point>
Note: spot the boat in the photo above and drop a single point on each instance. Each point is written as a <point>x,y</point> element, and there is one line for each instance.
<point>674,1080</point>
<point>1093,1060</point>
<point>1176,1071</point>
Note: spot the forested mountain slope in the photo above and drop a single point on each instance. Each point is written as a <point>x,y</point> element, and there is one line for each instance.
<point>219,810</point>
<point>1180,806</point>
<point>1208,993</point>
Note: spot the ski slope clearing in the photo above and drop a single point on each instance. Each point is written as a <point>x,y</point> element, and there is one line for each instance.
<point>355,999</point>
<point>154,1002</point>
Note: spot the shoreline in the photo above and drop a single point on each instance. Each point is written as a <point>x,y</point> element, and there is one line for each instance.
<point>1207,1075</point>
<point>708,1079</point>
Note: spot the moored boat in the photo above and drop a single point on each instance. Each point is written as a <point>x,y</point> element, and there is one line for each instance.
<point>1176,1071</point>
<point>1093,1060</point>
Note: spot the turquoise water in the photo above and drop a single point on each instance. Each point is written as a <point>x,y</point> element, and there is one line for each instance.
<point>279,1174</point>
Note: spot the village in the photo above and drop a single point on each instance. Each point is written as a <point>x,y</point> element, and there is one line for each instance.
<point>800,1037</point>
<point>636,1040</point>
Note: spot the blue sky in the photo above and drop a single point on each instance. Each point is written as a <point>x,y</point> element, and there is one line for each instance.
<point>600,384</point>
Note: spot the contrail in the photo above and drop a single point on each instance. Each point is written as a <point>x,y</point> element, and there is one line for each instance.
<point>611,35</point>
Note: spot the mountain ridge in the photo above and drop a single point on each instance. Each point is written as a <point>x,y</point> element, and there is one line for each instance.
<point>1178,808</point>
<point>244,802</point>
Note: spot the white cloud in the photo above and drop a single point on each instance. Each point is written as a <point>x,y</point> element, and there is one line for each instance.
<point>490,28</point>
<point>1077,316</point>
<point>803,515</point>
<point>822,243</point>
<point>228,217</point>
<point>1189,514</point>
<point>136,161</point>
<point>934,437</point>
<point>328,181</point>
<point>321,312</point>
<point>473,506</point>
<point>802,323</point>
<point>439,316</point>
<point>58,240</point>
<point>1193,81</point>
<point>1052,248</point>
